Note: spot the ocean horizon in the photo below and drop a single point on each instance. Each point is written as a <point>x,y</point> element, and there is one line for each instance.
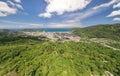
<point>56,30</point>
<point>45,29</point>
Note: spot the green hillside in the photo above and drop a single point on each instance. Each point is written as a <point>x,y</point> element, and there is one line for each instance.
<point>36,58</point>
<point>110,31</point>
<point>22,55</point>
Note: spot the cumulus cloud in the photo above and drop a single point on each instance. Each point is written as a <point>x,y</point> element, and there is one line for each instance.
<point>62,6</point>
<point>116,19</point>
<point>8,8</point>
<point>46,15</point>
<point>14,5</point>
<point>117,5</point>
<point>77,17</point>
<point>114,13</point>
<point>18,1</point>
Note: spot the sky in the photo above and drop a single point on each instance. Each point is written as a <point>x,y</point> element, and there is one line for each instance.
<point>57,13</point>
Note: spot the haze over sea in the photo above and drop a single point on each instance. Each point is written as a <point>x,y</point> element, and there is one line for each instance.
<point>56,30</point>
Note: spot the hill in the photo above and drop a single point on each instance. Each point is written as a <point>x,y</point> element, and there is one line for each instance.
<point>22,55</point>
<point>36,58</point>
<point>109,31</point>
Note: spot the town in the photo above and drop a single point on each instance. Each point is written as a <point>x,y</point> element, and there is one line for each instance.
<point>55,36</point>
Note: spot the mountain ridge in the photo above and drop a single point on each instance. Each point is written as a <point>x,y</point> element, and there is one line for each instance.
<point>110,31</point>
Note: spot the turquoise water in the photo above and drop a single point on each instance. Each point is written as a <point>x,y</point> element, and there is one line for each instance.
<point>56,30</point>
<point>47,29</point>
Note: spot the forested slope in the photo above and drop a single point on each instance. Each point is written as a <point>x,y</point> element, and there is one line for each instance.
<point>37,58</point>
<point>110,31</point>
<point>22,55</point>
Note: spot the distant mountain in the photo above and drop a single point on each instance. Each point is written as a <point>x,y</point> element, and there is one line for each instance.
<point>111,31</point>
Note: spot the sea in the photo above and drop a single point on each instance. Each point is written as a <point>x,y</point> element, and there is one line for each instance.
<point>56,30</point>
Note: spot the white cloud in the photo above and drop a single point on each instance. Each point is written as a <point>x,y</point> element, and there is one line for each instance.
<point>19,6</point>
<point>77,17</point>
<point>14,5</point>
<point>114,13</point>
<point>105,4</point>
<point>2,14</point>
<point>36,25</point>
<point>8,8</point>
<point>116,19</point>
<point>46,15</point>
<point>63,25</point>
<point>80,16</point>
<point>18,1</point>
<point>10,3</point>
<point>117,5</point>
<point>13,24</point>
<point>63,6</point>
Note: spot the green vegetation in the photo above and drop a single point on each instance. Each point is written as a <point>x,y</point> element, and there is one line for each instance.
<point>115,45</point>
<point>10,36</point>
<point>22,55</point>
<point>36,58</point>
<point>109,31</point>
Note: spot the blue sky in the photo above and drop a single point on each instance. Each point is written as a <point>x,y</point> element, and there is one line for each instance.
<point>58,13</point>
